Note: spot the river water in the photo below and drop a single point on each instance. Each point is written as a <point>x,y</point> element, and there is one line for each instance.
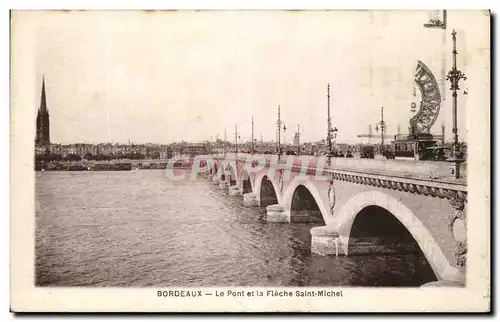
<point>137,228</point>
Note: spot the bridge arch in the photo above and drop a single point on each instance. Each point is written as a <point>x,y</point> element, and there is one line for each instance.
<point>424,239</point>
<point>215,168</point>
<point>245,183</point>
<point>266,190</point>
<point>218,170</point>
<point>300,186</point>
<point>231,170</point>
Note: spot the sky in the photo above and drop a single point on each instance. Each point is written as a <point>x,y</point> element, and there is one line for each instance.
<point>166,76</point>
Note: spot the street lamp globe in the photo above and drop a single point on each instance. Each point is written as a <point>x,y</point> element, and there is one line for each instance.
<point>335,131</point>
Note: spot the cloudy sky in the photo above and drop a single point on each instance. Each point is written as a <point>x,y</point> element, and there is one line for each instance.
<point>169,76</point>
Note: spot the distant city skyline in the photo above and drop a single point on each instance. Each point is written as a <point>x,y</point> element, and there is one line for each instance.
<point>187,76</point>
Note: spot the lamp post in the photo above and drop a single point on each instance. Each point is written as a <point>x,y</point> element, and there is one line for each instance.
<point>329,122</point>
<point>297,137</point>
<point>236,140</point>
<point>216,145</point>
<point>333,138</point>
<point>261,143</point>
<point>252,149</point>
<point>280,123</point>
<point>454,76</point>
<point>224,146</point>
<point>382,129</point>
<point>331,133</point>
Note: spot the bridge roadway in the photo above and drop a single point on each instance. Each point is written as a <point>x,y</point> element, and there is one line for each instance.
<point>423,196</point>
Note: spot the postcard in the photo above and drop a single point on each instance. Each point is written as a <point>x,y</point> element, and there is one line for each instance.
<point>250,161</point>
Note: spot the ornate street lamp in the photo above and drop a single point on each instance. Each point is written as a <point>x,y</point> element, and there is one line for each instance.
<point>331,133</point>
<point>236,140</point>
<point>382,129</point>
<point>332,136</point>
<point>253,141</point>
<point>454,76</point>
<point>280,123</point>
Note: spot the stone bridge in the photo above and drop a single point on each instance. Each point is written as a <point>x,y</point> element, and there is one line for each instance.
<point>341,195</point>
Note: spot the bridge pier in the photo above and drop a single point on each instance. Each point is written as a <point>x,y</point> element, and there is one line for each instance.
<point>234,191</point>
<point>325,241</point>
<point>223,185</point>
<point>306,216</point>
<point>250,200</point>
<point>276,213</point>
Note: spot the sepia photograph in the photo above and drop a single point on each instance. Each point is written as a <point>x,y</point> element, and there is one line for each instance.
<point>250,155</point>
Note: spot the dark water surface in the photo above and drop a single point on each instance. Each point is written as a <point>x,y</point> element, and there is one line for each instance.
<point>137,228</point>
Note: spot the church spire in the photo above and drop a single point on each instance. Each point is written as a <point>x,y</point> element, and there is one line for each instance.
<point>43,101</point>
<point>42,120</point>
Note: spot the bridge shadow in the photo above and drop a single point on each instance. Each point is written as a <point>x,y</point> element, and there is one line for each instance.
<point>267,193</point>
<point>304,208</point>
<point>247,185</point>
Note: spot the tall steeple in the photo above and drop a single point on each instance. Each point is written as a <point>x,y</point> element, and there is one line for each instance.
<point>43,101</point>
<point>42,120</point>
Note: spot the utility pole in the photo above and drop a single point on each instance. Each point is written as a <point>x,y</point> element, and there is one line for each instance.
<point>252,138</point>
<point>454,76</point>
